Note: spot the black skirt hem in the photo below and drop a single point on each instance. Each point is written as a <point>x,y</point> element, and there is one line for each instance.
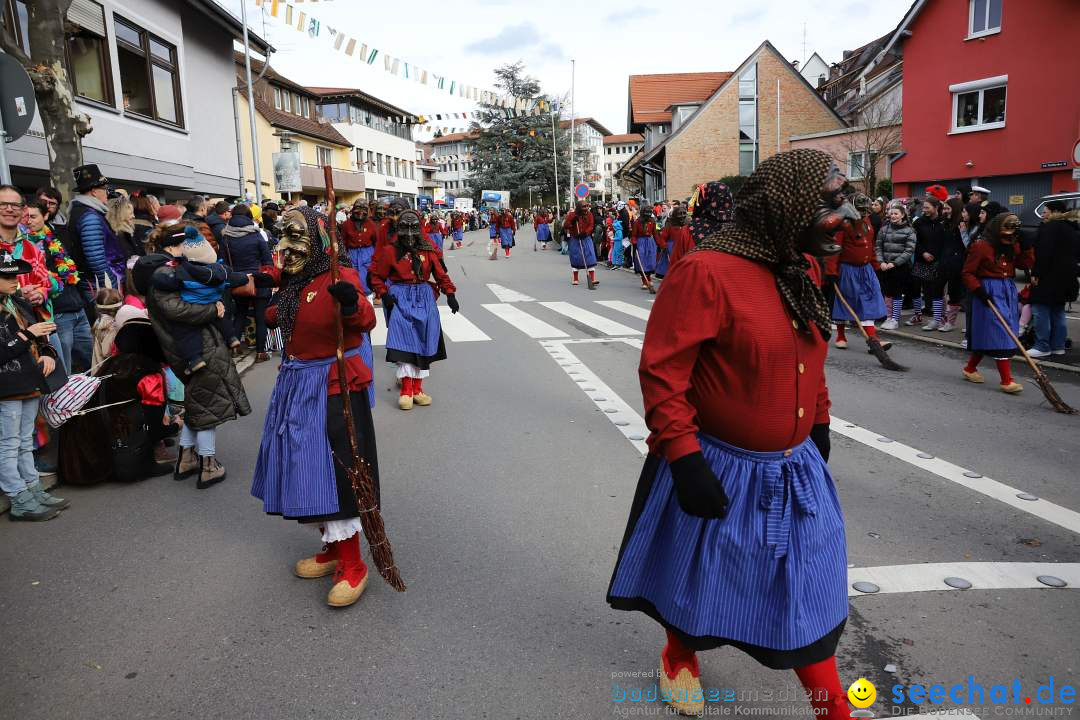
<point>421,361</point>
<point>821,649</point>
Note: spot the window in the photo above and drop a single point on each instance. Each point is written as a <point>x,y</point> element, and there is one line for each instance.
<point>857,164</point>
<point>277,98</point>
<point>984,17</point>
<point>88,52</point>
<point>16,21</point>
<point>149,74</point>
<point>412,171</point>
<point>378,163</point>
<point>359,159</point>
<point>979,105</point>
<point>324,155</point>
<point>748,137</point>
<point>370,161</point>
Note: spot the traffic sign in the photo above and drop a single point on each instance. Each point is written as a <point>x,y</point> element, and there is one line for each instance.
<point>17,99</point>
<point>1076,153</point>
<point>582,191</point>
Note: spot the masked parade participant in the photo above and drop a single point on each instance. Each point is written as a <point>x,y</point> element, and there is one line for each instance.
<point>675,239</point>
<point>507,230</point>
<point>299,473</point>
<point>493,233</point>
<point>852,272</point>
<point>405,275</point>
<point>644,238</point>
<point>542,226</point>
<point>457,228</point>
<point>433,230</point>
<point>382,220</point>
<point>988,274</point>
<point>359,233</point>
<point>579,224</point>
<point>736,536</point>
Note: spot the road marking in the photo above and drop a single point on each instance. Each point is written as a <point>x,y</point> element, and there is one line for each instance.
<point>378,333</point>
<point>634,428</point>
<point>599,322</point>
<point>625,307</point>
<point>926,577</point>
<point>506,295</point>
<point>1066,518</point>
<point>523,321</point>
<point>458,328</point>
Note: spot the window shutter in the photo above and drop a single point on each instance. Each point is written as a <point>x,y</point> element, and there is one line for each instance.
<point>88,15</point>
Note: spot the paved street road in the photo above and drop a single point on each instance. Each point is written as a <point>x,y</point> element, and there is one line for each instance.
<point>506,500</point>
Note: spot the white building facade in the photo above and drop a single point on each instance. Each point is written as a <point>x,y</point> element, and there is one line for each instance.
<point>617,150</point>
<point>453,156</point>
<point>588,153</point>
<point>381,137</point>
<point>156,79</point>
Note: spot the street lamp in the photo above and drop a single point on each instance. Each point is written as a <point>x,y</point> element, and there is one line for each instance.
<point>288,145</point>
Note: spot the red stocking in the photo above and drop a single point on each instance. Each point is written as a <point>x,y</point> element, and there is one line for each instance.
<point>417,386</point>
<point>870,330</point>
<point>973,362</point>
<point>351,565</point>
<point>574,275</point>
<point>407,387</point>
<point>823,683</point>
<point>1005,371</point>
<point>840,333</point>
<point>592,275</point>
<point>676,656</point>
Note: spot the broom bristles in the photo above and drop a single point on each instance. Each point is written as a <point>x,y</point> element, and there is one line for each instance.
<point>382,554</point>
<point>882,355</point>
<point>1051,395</point>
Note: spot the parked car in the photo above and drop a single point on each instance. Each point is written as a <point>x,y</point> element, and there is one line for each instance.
<point>1032,217</point>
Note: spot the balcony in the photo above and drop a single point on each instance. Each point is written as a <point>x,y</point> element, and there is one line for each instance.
<point>344,180</point>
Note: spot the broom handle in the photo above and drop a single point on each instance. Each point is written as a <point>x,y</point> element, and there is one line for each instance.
<point>1019,346</point>
<point>858,322</point>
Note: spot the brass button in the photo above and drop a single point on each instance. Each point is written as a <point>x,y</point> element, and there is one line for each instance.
<point>801,412</point>
<point>795,324</point>
<point>802,368</point>
<point>787,453</point>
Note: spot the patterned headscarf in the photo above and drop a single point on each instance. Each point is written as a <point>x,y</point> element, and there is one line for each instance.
<point>714,206</point>
<point>773,209</point>
<point>288,297</point>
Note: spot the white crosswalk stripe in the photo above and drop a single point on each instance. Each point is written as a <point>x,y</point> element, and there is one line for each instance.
<point>458,328</point>
<point>625,307</point>
<point>505,294</point>
<point>598,322</point>
<point>523,321</point>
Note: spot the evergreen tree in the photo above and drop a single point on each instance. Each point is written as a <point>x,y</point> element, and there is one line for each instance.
<point>513,151</point>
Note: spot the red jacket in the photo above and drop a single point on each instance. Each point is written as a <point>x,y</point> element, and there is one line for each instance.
<point>388,266</point>
<point>677,240</point>
<point>640,229</point>
<point>723,355</point>
<point>364,236</point>
<point>506,220</point>
<point>856,247</point>
<point>576,227</point>
<point>314,333</point>
<point>981,263</point>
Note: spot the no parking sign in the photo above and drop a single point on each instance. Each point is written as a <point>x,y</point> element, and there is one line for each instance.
<point>582,191</point>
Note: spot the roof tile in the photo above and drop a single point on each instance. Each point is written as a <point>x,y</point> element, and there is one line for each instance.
<point>651,95</point>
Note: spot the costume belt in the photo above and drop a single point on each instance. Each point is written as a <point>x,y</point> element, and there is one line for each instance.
<point>785,486</point>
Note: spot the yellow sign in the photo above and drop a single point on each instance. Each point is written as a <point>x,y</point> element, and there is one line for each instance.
<point>862,693</point>
<point>1016,199</point>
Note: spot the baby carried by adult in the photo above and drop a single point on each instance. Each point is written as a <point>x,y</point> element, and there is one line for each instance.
<point>201,279</point>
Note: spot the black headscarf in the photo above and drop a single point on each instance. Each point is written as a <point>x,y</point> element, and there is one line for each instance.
<point>773,209</point>
<point>288,297</point>
<point>714,208</point>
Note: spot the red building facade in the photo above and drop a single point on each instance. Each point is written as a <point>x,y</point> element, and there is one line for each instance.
<point>989,97</point>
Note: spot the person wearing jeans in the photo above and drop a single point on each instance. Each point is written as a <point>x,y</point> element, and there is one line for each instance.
<point>1053,279</point>
<point>76,342</point>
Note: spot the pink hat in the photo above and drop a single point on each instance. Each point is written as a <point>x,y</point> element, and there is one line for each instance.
<point>169,213</point>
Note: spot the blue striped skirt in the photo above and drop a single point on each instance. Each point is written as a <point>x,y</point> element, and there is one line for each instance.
<point>294,472</point>
<point>493,231</point>
<point>861,289</point>
<point>985,333</point>
<point>543,233</point>
<point>772,574</point>
<point>581,251</point>
<point>662,263</point>
<point>459,235</point>
<point>437,240</point>
<point>361,260</point>
<point>506,237</point>
<point>646,255</point>
<point>368,356</point>
<point>414,325</point>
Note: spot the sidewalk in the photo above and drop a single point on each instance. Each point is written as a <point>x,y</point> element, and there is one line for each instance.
<point>50,480</point>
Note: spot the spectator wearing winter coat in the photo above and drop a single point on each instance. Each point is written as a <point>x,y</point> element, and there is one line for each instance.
<point>929,247</point>
<point>195,213</point>
<point>954,252</point>
<point>91,240</point>
<point>895,252</point>
<point>146,207</point>
<point>26,358</point>
<point>217,219</point>
<point>245,250</point>
<point>1053,279</point>
<point>121,217</point>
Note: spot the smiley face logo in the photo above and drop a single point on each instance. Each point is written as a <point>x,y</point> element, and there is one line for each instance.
<point>862,693</point>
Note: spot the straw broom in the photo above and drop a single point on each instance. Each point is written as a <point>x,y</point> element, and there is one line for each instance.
<point>1041,380</point>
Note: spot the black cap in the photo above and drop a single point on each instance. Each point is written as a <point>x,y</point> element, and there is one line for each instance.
<point>88,177</point>
<point>12,267</point>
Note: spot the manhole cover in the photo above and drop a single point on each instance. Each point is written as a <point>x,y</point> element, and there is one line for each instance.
<point>958,583</point>
<point>926,456</point>
<point>884,440</point>
<point>865,587</point>
<point>1027,496</point>
<point>971,474</point>
<point>1051,581</point>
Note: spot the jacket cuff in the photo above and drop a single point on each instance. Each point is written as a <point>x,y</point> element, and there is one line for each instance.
<point>681,447</point>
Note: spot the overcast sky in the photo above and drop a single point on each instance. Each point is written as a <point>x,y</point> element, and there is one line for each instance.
<point>610,40</point>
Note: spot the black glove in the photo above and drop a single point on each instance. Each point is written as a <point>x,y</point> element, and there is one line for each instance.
<point>346,294</point>
<point>452,303</point>
<point>388,302</point>
<point>980,292</point>
<point>820,435</point>
<point>699,491</point>
<point>263,280</point>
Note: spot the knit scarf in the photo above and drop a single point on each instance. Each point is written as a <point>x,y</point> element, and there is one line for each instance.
<point>772,210</point>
